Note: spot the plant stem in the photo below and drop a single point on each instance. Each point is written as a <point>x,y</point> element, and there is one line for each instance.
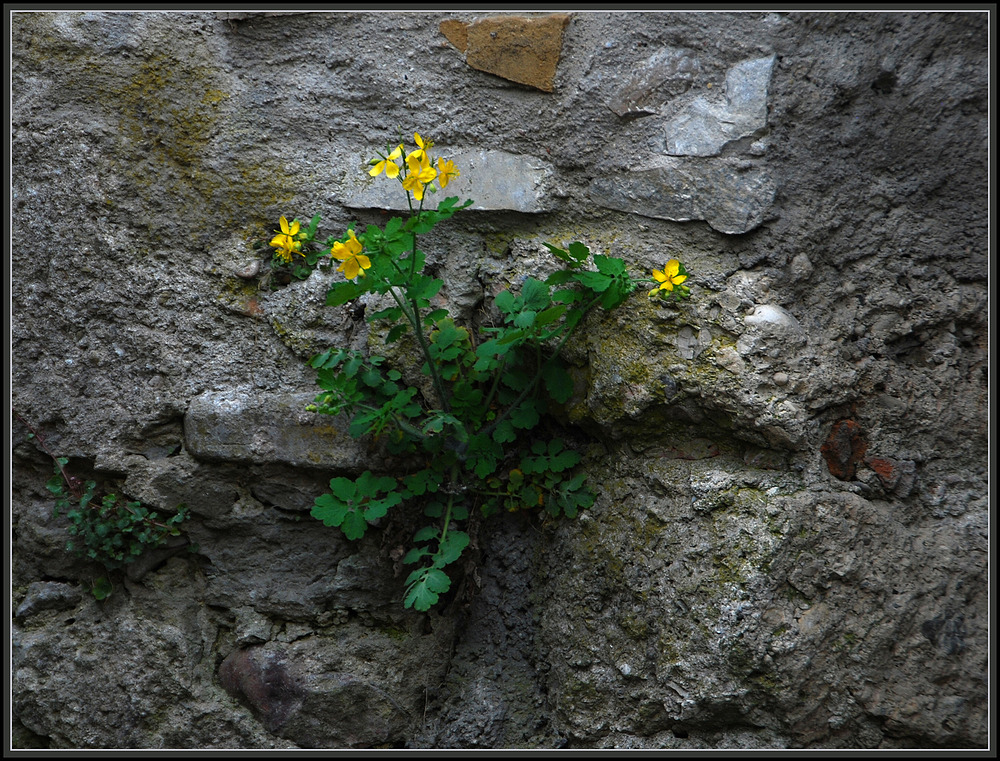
<point>447,512</point>
<point>71,482</point>
<point>412,312</point>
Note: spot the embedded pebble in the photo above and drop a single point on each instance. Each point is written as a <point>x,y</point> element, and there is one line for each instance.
<point>250,271</point>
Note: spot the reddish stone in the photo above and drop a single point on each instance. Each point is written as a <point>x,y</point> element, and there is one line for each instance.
<point>884,469</point>
<point>260,678</point>
<point>523,50</point>
<point>457,33</point>
<point>844,449</point>
<point>896,476</point>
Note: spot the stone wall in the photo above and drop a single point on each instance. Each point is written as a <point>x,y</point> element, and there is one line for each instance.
<point>789,544</point>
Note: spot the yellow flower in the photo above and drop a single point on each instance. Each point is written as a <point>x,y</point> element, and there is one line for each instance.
<point>419,173</point>
<point>286,242</point>
<point>354,262</point>
<point>422,146</point>
<point>669,277</point>
<point>388,164</point>
<point>446,172</point>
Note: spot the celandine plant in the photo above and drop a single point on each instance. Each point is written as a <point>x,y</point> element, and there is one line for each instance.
<point>107,527</point>
<point>475,427</point>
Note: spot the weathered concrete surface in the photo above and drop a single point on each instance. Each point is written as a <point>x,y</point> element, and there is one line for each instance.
<point>789,545</point>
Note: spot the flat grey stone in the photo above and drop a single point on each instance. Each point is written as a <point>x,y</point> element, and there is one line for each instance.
<point>237,426</point>
<point>48,595</point>
<point>705,126</point>
<point>732,196</point>
<point>494,180</point>
<point>667,74</point>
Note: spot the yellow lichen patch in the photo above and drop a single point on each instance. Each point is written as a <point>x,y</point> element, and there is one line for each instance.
<point>181,154</point>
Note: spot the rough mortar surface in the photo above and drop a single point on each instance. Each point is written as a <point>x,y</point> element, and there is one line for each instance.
<point>789,543</point>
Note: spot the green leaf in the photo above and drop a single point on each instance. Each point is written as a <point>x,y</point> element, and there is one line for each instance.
<point>578,252</point>
<point>451,548</point>
<point>561,253</point>
<point>313,224</point>
<point>610,265</point>
<point>504,432</point>
<point>568,295</point>
<point>595,281</point>
<point>424,288</point>
<point>343,488</point>
<point>423,224</point>
<point>369,485</point>
<point>341,508</point>
<point>535,294</point>
<point>438,419</point>
<point>371,377</point>
<point>505,302</point>
<point>415,554</point>
<point>393,226</point>
<point>558,382</point>
<point>550,315</point>
<point>447,205</point>
<point>432,318</point>
<point>101,588</point>
<point>525,415</point>
<point>343,292</point>
<point>396,332</point>
<point>392,313</point>
<point>377,508</point>
<point>615,295</point>
<point>483,454</point>
<point>422,482</point>
<point>330,510</point>
<point>354,524</point>
<point>425,586</point>
<point>564,460</point>
<point>426,534</point>
<point>525,319</point>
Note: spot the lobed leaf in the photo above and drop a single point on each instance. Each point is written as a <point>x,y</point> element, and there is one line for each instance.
<point>451,548</point>
<point>425,586</point>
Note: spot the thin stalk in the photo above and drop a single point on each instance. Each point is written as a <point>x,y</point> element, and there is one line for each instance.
<point>451,502</point>
<point>412,312</point>
<point>72,482</point>
<point>496,383</point>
